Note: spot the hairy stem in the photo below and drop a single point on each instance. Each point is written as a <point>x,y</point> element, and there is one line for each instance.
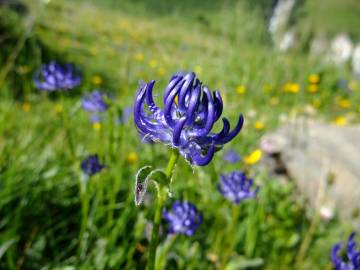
<point>161,196</point>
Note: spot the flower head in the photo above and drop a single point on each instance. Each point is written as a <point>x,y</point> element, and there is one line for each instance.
<point>184,219</point>
<point>91,165</point>
<point>291,87</point>
<point>126,114</point>
<point>54,76</point>
<point>235,186</point>
<point>231,156</point>
<point>253,157</point>
<point>190,112</point>
<point>353,256</point>
<point>94,102</point>
<point>314,78</point>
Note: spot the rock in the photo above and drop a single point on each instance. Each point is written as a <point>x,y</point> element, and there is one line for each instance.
<point>282,38</point>
<point>287,41</point>
<point>318,45</point>
<point>341,49</point>
<point>356,60</point>
<point>324,161</point>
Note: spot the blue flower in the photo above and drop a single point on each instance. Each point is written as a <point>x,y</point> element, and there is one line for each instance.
<point>231,156</point>
<point>95,104</point>
<point>236,187</point>
<point>54,76</point>
<point>189,114</point>
<point>91,165</point>
<point>353,256</point>
<point>184,218</point>
<point>126,114</point>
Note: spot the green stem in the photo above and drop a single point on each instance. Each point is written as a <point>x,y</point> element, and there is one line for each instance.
<point>171,164</point>
<point>230,236</point>
<point>161,196</point>
<point>307,240</point>
<point>161,259</point>
<point>66,123</point>
<point>84,216</point>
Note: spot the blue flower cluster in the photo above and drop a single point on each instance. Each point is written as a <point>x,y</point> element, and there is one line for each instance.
<point>54,76</point>
<point>189,114</point>
<point>95,104</point>
<point>231,157</point>
<point>236,187</point>
<point>91,165</point>
<point>353,255</point>
<point>184,218</point>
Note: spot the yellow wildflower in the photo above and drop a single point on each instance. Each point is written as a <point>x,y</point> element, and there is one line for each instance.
<point>97,126</point>
<point>139,57</point>
<point>124,24</point>
<point>58,108</point>
<point>274,101</point>
<point>132,158</point>
<point>353,85</point>
<point>153,63</point>
<point>341,121</point>
<point>344,103</point>
<point>313,88</point>
<point>253,158</point>
<point>198,69</point>
<point>161,71</point>
<point>314,78</point>
<point>97,80</point>
<point>259,125</point>
<point>291,88</point>
<point>241,89</point>
<point>26,107</point>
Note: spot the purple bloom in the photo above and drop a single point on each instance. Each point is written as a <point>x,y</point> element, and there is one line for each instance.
<point>55,76</point>
<point>353,256</point>
<point>344,86</point>
<point>126,113</point>
<point>190,111</point>
<point>91,165</point>
<point>123,116</point>
<point>235,186</point>
<point>94,102</point>
<point>184,219</point>
<point>231,156</point>
<point>95,118</point>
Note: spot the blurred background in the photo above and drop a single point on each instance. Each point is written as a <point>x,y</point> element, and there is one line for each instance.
<point>291,67</point>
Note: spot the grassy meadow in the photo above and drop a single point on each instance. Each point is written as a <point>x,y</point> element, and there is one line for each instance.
<point>52,217</point>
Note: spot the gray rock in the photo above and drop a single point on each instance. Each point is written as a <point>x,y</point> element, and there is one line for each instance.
<point>319,45</point>
<point>356,60</point>
<point>341,49</point>
<point>324,161</point>
<point>282,38</point>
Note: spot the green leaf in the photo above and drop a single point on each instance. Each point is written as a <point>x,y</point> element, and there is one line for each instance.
<point>159,176</point>
<point>243,263</point>
<point>5,246</point>
<point>142,179</point>
<point>141,183</point>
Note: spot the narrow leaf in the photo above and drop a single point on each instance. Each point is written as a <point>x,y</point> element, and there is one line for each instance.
<point>5,246</point>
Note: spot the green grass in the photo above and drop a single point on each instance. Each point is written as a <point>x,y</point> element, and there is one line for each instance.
<point>42,196</point>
